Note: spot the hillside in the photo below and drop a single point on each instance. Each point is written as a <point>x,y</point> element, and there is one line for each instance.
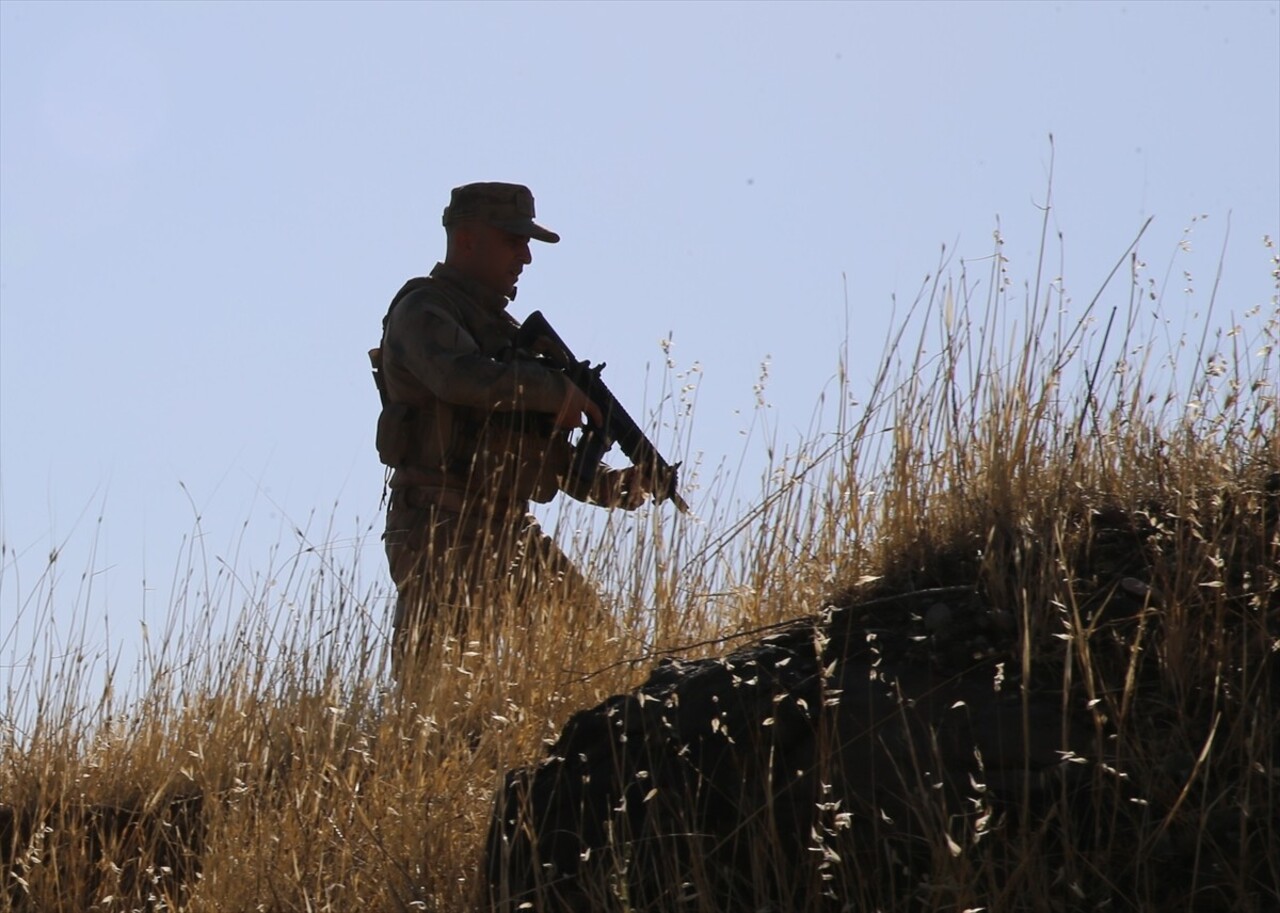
<point>1004,635</point>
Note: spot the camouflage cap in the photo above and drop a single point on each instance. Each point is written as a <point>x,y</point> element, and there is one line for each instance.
<point>508,206</point>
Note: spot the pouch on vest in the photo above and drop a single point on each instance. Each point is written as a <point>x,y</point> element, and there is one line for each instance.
<point>417,435</point>
<point>392,436</point>
<point>395,436</point>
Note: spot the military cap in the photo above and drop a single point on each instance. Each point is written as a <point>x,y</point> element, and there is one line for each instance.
<point>507,206</point>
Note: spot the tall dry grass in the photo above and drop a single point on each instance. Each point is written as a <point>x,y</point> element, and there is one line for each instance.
<point>269,765</point>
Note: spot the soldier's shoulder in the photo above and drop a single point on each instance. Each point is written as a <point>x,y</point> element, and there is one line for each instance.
<point>427,298</point>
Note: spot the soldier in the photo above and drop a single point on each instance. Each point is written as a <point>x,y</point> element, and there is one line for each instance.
<point>475,430</point>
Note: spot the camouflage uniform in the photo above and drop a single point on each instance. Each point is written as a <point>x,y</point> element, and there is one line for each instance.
<point>467,427</point>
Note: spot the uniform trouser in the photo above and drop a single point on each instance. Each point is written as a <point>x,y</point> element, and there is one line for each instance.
<point>451,565</point>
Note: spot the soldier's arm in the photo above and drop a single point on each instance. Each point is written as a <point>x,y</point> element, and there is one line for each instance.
<point>438,353</point>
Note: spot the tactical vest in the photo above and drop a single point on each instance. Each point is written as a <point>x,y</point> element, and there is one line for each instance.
<point>508,456</point>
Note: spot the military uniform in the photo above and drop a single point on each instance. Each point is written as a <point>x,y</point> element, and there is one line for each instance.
<point>468,429</point>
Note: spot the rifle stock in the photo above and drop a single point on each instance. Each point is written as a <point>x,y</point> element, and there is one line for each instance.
<point>537,335</point>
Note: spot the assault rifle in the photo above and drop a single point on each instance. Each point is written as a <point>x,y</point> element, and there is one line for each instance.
<point>537,335</point>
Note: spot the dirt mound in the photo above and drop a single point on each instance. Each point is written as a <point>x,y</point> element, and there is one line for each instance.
<point>915,749</point>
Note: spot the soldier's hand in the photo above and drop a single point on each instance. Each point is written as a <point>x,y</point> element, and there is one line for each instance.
<point>637,488</point>
<point>575,404</point>
<point>628,488</point>
<point>638,483</point>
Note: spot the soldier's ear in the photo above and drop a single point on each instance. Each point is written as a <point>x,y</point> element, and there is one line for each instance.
<point>460,238</point>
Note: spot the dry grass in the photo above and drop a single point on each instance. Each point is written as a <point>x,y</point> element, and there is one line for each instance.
<point>269,766</point>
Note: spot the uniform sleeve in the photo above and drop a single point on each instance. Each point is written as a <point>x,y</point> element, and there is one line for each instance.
<point>426,347</point>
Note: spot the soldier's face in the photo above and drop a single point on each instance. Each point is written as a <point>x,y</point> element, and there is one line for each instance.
<point>496,257</point>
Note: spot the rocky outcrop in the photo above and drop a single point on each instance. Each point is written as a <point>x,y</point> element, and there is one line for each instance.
<point>797,772</point>
<point>146,858</point>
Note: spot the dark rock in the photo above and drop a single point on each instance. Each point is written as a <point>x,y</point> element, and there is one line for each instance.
<point>145,858</point>
<point>780,774</point>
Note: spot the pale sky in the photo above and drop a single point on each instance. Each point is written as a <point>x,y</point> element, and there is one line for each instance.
<point>206,207</point>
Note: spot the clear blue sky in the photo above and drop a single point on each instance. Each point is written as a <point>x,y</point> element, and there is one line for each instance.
<point>205,208</point>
